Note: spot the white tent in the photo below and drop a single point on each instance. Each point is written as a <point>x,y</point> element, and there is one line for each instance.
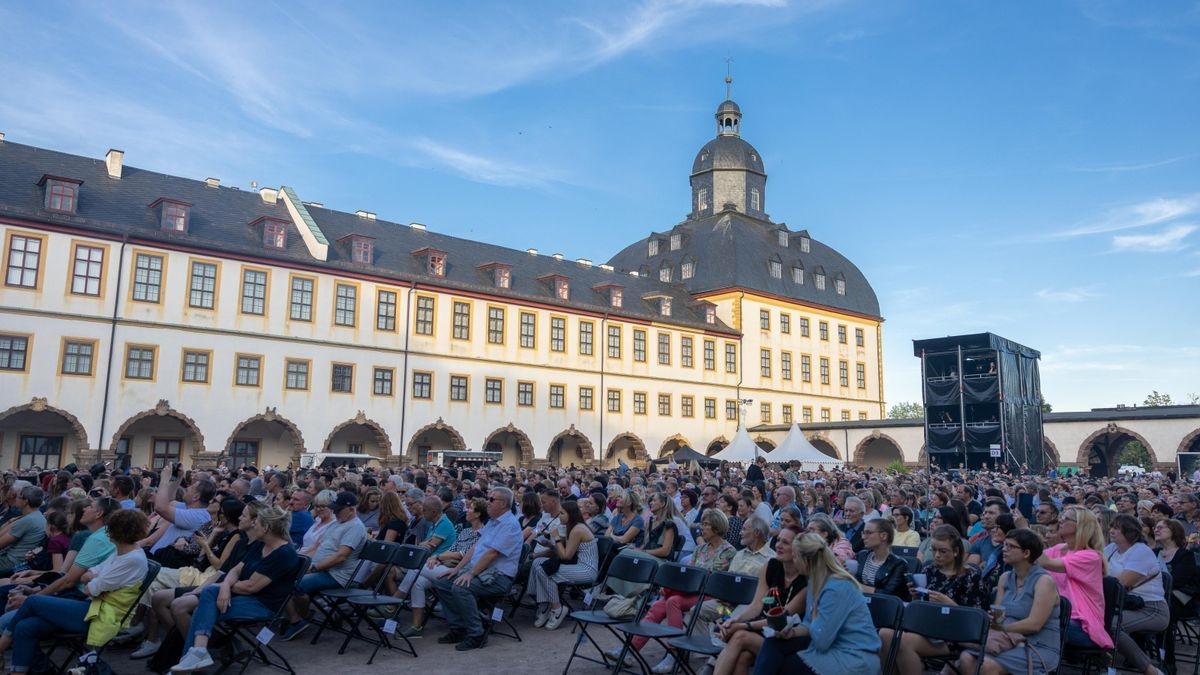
<point>742,449</point>
<point>796,447</point>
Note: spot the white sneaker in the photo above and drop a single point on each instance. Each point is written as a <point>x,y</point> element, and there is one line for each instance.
<point>195,659</point>
<point>556,617</point>
<point>542,616</point>
<point>149,648</point>
<point>665,666</point>
<point>614,654</point>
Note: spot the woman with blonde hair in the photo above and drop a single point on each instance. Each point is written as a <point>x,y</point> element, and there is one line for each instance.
<point>836,619</point>
<point>1077,566</point>
<point>823,525</point>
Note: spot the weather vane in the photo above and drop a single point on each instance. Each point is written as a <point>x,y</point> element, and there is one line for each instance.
<point>728,77</point>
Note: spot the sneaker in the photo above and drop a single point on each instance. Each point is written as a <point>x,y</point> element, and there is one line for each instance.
<point>542,616</point>
<point>195,659</point>
<point>556,617</point>
<point>451,638</point>
<point>294,629</point>
<point>149,648</point>
<point>471,642</point>
<point>413,632</point>
<point>666,665</point>
<point>135,630</point>
<point>615,654</point>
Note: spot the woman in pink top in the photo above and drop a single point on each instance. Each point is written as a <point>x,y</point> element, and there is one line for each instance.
<point>1078,568</point>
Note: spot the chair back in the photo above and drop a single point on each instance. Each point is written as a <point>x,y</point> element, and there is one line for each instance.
<point>604,549</point>
<point>946,622</point>
<point>683,579</point>
<point>375,551</point>
<point>409,556</point>
<point>303,567</point>
<point>152,570</point>
<point>914,565</point>
<point>886,610</point>
<point>1114,600</point>
<point>732,588</point>
<point>632,569</point>
<point>1064,622</point>
<point>905,551</point>
<point>1168,585</point>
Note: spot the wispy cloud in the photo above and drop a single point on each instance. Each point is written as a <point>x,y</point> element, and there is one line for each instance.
<point>1142,214</point>
<point>1122,167</point>
<point>479,168</point>
<point>1066,294</point>
<point>1170,239</point>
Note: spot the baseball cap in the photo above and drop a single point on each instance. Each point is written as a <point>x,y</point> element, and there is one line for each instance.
<point>344,500</point>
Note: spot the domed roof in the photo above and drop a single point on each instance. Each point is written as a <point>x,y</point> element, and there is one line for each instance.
<point>728,106</point>
<point>728,152</point>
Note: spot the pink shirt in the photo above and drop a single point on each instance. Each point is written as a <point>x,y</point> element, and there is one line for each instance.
<point>1083,585</point>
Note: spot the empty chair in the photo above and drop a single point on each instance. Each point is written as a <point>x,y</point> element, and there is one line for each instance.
<point>633,570</point>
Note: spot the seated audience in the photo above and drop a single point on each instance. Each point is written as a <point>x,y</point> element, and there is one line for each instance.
<point>441,562</point>
<point>1133,562</point>
<point>573,560</point>
<point>880,570</point>
<point>333,562</point>
<point>1078,567</point>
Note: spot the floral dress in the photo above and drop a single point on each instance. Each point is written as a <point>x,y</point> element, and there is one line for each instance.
<point>713,559</point>
<point>966,589</point>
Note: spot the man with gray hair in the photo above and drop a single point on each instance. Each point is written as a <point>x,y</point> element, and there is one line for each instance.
<point>24,533</point>
<point>785,496</point>
<point>756,551</point>
<point>853,511</point>
<point>487,569</point>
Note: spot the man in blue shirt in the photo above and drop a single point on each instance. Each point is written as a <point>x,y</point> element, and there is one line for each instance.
<point>301,517</point>
<point>486,570</point>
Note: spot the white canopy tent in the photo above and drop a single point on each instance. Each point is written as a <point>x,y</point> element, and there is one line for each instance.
<point>742,449</point>
<point>796,447</point>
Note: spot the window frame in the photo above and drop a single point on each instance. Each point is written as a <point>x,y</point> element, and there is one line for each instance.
<point>287,373</point>
<point>710,408</point>
<point>527,333</point>
<point>257,370</point>
<point>664,349</point>
<point>340,312</point>
<point>460,330</point>
<point>390,380</point>
<point>613,342</point>
<point>639,332</point>
<point>43,437</point>
<point>312,297</point>
<point>422,380</point>
<point>664,404</point>
<point>687,351</point>
<point>687,406</point>
<point>731,364</point>
<point>38,257</point>
<point>333,377</point>
<point>153,349</point>
<point>764,362</point>
<point>64,343</point>
<point>493,385</point>
<point>612,399</point>
<point>590,343</point>
<point>422,325</point>
<point>558,333</point>
<point>100,277</point>
<point>710,355</point>
<point>590,403</point>
<point>497,316</point>
<point>135,255</point>
<point>266,286</point>
<point>183,365</point>
<point>460,382</point>
<point>556,392</point>
<point>526,394</point>
<point>381,316</point>
<point>216,283</point>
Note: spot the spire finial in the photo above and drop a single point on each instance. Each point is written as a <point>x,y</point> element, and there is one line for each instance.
<point>728,77</point>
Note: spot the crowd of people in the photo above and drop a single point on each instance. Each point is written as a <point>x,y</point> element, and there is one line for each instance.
<point>230,541</point>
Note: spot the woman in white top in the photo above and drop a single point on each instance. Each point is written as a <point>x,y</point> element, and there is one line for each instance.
<point>1132,562</point>
<point>322,519</point>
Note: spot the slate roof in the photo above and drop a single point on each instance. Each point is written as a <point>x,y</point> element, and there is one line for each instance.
<point>733,250</point>
<point>220,222</point>
<point>728,152</point>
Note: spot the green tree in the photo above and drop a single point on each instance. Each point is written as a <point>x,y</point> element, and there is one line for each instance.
<point>1135,453</point>
<point>1046,407</point>
<point>907,411</point>
<point>1155,399</point>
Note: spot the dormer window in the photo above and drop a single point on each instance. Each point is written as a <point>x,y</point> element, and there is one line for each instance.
<point>274,234</point>
<point>839,283</point>
<point>664,273</point>
<point>783,237</point>
<point>776,267</point>
<point>174,215</point>
<point>664,306</point>
<point>559,285</point>
<point>805,243</point>
<point>616,297</point>
<point>652,247</point>
<point>710,314</point>
<point>501,274</point>
<point>819,278</point>
<point>362,248</point>
<point>62,194</point>
<point>676,241</point>
<point>688,269</point>
<point>798,274</point>
<point>435,261</point>
<point>755,200</point>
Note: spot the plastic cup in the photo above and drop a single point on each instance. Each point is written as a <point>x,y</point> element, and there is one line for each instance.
<point>777,618</point>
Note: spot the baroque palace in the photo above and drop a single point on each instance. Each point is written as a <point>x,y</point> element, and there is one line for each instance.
<point>148,318</point>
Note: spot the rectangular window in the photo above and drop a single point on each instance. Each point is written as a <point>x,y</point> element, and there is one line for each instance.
<point>764,362</point>
<point>424,321</point>
<point>175,217</point>
<point>40,451</point>
<point>202,293</point>
<point>254,292</point>
<point>586,336</point>
<point>806,415</point>
<point>824,414</point>
<point>687,406</point>
<point>195,366</point>
<point>558,396</point>
<point>764,319</point>
<point>496,325</point>
<point>614,400</point>
<point>639,403</point>
<point>24,261</point>
<point>274,235</point>
<point>13,352</point>
<point>243,453</point>
<point>639,345</point>
<point>301,302</point>
<point>860,375</point>
<point>385,310</point>
<point>462,320</point>
<point>731,409</point>
<point>525,394</point>
<point>383,381</point>
<point>685,352</point>
<point>422,385</point>
<point>585,398</point>
<point>805,368</point>
<point>77,357</point>
<point>528,331</point>
<point>297,375</point>
<point>862,416</point>
<point>345,311</point>
<point>858,337</point>
<point>803,326</point>
<point>147,277</point>
<point>785,365</point>
<point>845,415</point>
<point>166,451</point>
<point>764,412</point>
<point>458,388</point>
<point>614,342</point>
<point>710,408</point>
<point>710,355</point>
<point>824,370</point>
<point>558,334</point>
<point>88,268</point>
<point>139,363</point>
<point>843,373</point>
<point>785,324</point>
<point>664,405</point>
<point>493,390</point>
<point>823,329</point>
<point>841,334</point>
<point>60,195</point>
<point>248,368</point>
<point>730,358</point>
<point>342,378</point>
<point>785,413</point>
<point>664,349</point>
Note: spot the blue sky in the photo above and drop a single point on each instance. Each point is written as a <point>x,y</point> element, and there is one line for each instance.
<point>1029,168</point>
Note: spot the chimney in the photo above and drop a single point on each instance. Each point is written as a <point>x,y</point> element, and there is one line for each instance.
<point>606,268</point>
<point>315,205</point>
<point>531,251</point>
<point>212,182</point>
<point>113,159</point>
<point>365,214</point>
<point>634,273</point>
<point>269,195</point>
<point>1,136</point>
<point>584,262</point>
<point>418,226</point>
<point>558,256</point>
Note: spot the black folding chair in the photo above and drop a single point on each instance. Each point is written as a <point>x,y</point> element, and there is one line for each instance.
<point>630,569</point>
<point>77,644</point>
<point>681,579</point>
<point>243,646</point>
<point>1064,623</point>
<point>488,604</point>
<point>404,558</point>
<point>949,623</point>
<point>914,565</point>
<point>905,551</point>
<point>604,549</point>
<point>887,611</point>
<point>727,587</point>
<point>1154,642</point>
<point>1114,599</point>
<point>334,603</point>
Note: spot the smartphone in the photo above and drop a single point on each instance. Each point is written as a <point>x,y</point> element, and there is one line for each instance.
<point>177,470</point>
<point>910,579</point>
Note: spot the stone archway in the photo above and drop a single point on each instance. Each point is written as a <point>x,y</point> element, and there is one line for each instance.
<point>163,409</point>
<point>1105,446</point>
<point>426,437</point>
<point>33,416</point>
<point>826,446</point>
<point>877,451</point>
<point>382,440</point>
<point>1050,455</point>
<point>270,446</point>
<point>765,444</point>
<point>671,444</point>
<point>633,445</point>
<point>716,445</point>
<point>523,444</point>
<point>1190,443</point>
<point>583,447</point>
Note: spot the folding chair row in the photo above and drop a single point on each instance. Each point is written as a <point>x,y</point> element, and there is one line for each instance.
<point>77,644</point>
<point>405,558</point>
<point>244,646</point>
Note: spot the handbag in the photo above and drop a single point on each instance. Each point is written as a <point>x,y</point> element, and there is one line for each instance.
<point>1135,602</point>
<point>620,607</point>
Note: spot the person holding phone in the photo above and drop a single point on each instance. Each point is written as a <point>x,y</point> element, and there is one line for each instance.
<point>184,517</point>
